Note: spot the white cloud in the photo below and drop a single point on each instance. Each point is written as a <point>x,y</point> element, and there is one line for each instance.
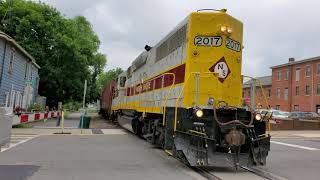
<point>274,30</point>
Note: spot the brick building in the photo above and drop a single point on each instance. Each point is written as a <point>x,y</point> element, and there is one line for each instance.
<point>296,85</point>
<point>259,98</point>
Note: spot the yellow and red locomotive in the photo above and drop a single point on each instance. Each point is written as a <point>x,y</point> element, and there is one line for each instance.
<point>185,95</point>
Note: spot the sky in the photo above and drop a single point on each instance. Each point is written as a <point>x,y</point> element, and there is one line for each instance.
<point>274,30</point>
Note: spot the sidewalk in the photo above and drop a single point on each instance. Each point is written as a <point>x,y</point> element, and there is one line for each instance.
<point>50,131</point>
<point>97,122</point>
<point>295,134</point>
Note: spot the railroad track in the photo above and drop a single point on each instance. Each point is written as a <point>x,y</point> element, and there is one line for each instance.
<point>261,173</point>
<point>209,174</point>
<point>206,173</point>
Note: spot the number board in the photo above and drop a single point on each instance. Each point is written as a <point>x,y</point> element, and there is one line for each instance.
<point>213,41</point>
<point>233,45</point>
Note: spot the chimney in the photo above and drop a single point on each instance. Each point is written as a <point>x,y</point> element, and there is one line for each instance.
<point>291,60</point>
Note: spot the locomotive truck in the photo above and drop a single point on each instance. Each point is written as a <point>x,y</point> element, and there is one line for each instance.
<point>185,95</point>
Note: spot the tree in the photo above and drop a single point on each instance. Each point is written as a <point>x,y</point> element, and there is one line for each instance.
<point>106,77</point>
<point>66,49</point>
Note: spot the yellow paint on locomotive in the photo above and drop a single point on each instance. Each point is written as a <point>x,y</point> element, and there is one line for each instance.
<point>201,58</point>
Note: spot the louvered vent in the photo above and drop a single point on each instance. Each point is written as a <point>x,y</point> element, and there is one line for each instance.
<point>175,41</point>
<point>139,61</point>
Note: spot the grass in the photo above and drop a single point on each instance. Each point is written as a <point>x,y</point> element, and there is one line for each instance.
<point>22,126</point>
<point>66,114</point>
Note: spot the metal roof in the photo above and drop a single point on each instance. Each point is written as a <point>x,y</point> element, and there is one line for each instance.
<point>265,81</point>
<point>297,62</point>
<point>10,39</point>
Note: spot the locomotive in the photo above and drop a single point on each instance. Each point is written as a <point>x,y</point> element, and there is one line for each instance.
<point>185,95</point>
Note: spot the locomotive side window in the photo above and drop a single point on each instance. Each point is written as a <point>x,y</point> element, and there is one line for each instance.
<point>123,81</point>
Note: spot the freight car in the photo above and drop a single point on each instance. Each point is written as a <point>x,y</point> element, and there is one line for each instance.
<point>185,95</point>
<point>107,94</point>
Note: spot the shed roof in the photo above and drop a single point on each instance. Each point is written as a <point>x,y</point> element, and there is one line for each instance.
<point>265,81</point>
<point>10,39</point>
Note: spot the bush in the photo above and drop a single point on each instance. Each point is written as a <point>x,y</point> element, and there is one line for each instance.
<point>22,126</point>
<point>35,107</point>
<point>72,106</point>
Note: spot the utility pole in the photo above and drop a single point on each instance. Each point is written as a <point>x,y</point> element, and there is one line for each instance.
<point>84,94</point>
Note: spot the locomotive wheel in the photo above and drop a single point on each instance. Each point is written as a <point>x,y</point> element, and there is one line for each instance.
<point>137,126</point>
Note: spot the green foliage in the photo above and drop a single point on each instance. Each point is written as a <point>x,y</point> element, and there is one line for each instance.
<point>66,49</point>
<point>35,108</point>
<point>106,77</point>
<point>66,114</point>
<point>72,106</point>
<point>22,126</point>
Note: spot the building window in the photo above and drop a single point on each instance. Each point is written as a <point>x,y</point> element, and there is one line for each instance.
<point>286,75</point>
<point>269,93</point>
<point>308,71</point>
<point>278,92</point>
<point>26,71</point>
<point>308,89</point>
<point>296,107</point>
<point>12,57</point>
<point>278,76</point>
<point>277,107</point>
<point>318,89</point>
<point>298,74</point>
<point>297,90</point>
<point>318,69</point>
<point>285,93</point>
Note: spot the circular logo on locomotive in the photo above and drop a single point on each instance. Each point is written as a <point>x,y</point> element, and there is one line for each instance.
<point>221,67</point>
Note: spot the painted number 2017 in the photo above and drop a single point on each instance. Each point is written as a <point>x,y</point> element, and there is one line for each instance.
<point>208,41</point>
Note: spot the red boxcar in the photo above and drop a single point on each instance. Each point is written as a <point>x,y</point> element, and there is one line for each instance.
<point>106,99</point>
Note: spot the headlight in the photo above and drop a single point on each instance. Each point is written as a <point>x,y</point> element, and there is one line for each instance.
<point>229,30</point>
<point>258,117</point>
<point>223,28</point>
<point>199,113</point>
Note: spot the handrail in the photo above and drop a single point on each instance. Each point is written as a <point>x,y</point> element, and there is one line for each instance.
<point>264,98</point>
<point>166,98</point>
<point>179,97</point>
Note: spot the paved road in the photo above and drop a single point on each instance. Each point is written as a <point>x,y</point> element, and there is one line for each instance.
<point>119,156</point>
<point>72,121</point>
<point>295,158</point>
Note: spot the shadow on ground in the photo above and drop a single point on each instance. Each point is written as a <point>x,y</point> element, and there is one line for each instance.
<point>17,172</point>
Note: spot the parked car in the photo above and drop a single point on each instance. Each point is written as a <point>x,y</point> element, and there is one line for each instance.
<point>312,115</point>
<point>276,114</point>
<point>296,115</point>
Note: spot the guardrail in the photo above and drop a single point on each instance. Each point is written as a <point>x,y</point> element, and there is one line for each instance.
<point>31,117</point>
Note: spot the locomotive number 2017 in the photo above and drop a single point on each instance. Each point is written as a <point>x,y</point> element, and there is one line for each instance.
<point>233,45</point>
<point>208,41</point>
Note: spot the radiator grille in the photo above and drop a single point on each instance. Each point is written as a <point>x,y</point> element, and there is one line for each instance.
<point>175,41</point>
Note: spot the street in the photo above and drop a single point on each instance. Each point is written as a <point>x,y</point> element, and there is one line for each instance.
<point>118,154</point>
